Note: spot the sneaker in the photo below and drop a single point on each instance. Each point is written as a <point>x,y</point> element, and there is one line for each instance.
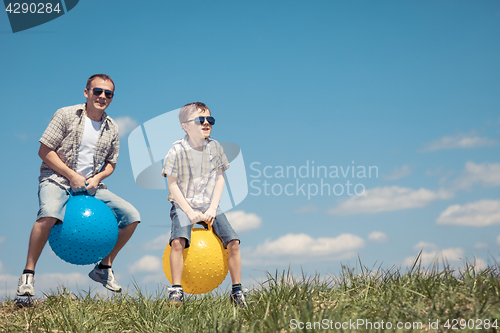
<point>106,277</point>
<point>25,286</point>
<point>238,299</point>
<point>175,296</point>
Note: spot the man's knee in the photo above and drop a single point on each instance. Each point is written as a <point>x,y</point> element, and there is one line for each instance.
<point>46,222</point>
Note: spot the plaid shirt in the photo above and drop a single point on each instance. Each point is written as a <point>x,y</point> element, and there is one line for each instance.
<point>63,135</point>
<point>178,163</point>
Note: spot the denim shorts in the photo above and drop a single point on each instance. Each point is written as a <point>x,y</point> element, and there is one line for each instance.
<point>52,199</point>
<point>182,229</point>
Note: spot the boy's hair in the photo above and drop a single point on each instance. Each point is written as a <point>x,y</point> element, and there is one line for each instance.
<point>188,109</point>
<point>101,76</point>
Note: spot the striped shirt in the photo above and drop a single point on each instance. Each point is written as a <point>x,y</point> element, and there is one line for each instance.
<point>179,164</point>
<point>63,135</point>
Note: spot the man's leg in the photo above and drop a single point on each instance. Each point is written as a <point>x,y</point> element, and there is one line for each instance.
<point>38,238</point>
<point>124,235</point>
<point>128,218</point>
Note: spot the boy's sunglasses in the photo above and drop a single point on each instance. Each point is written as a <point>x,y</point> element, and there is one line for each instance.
<point>98,92</point>
<point>201,120</point>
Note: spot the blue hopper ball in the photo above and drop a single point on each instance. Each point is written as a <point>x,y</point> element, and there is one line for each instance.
<point>88,233</point>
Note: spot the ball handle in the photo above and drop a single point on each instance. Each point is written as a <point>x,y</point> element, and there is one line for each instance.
<point>78,193</point>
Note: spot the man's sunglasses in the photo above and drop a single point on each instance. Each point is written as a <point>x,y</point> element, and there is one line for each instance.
<point>98,92</point>
<point>201,120</point>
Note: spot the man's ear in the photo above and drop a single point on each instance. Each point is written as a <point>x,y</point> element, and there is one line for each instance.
<point>86,93</point>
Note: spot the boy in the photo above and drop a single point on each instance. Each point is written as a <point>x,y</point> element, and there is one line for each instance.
<point>194,167</point>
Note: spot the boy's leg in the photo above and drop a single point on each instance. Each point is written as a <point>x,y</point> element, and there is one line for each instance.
<point>176,260</point>
<point>231,242</point>
<point>180,238</point>
<point>234,261</point>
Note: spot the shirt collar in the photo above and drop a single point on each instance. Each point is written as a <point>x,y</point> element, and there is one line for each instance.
<point>84,106</point>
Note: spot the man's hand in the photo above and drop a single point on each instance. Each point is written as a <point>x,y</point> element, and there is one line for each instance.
<point>93,183</point>
<point>77,183</point>
<point>209,215</point>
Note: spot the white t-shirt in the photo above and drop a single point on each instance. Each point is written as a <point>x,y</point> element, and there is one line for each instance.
<point>87,147</point>
<point>197,156</point>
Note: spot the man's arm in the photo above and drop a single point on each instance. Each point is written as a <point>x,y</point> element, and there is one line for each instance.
<point>175,191</point>
<point>50,157</point>
<point>94,181</point>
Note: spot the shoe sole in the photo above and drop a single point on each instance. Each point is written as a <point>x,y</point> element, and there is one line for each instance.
<point>26,294</point>
<point>100,280</point>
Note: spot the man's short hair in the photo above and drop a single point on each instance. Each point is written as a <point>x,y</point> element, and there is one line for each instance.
<point>188,109</point>
<point>101,76</point>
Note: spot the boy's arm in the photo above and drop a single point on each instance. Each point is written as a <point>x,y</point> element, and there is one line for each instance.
<point>194,215</point>
<point>210,214</point>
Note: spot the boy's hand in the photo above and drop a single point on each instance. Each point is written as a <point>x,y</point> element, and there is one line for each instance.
<point>195,216</point>
<point>209,215</point>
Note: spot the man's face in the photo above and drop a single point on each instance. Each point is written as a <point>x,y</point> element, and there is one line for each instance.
<point>98,102</point>
<point>198,131</point>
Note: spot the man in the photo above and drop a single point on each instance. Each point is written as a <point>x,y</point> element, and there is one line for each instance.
<point>79,149</point>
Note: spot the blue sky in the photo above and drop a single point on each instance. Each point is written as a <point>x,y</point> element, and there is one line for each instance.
<point>410,88</point>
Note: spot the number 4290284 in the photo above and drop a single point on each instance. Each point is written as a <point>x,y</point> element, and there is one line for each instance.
<point>477,324</point>
<point>33,8</point>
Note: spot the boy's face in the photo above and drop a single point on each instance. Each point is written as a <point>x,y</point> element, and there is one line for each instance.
<point>198,131</point>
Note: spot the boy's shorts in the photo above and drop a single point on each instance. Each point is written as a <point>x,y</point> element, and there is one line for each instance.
<point>180,229</point>
<point>52,199</point>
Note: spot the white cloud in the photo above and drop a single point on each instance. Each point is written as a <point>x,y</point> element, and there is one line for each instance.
<point>9,285</point>
<point>398,173</point>
<point>159,243</point>
<point>425,246</point>
<point>468,140</point>
<point>382,199</point>
<point>486,174</point>
<point>304,248</point>
<point>480,245</point>
<point>241,221</point>
<point>158,278</point>
<point>432,253</point>
<point>306,209</point>
<point>147,263</point>
<point>126,124</point>
<point>475,214</point>
<point>50,281</point>
<point>479,264</point>
<point>378,237</point>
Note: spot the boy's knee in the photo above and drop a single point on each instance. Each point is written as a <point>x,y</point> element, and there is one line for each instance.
<point>233,245</point>
<point>178,244</point>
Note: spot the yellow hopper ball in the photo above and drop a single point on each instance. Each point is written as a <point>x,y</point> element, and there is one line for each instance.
<point>205,262</point>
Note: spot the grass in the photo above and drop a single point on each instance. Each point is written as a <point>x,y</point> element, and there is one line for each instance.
<point>360,299</point>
